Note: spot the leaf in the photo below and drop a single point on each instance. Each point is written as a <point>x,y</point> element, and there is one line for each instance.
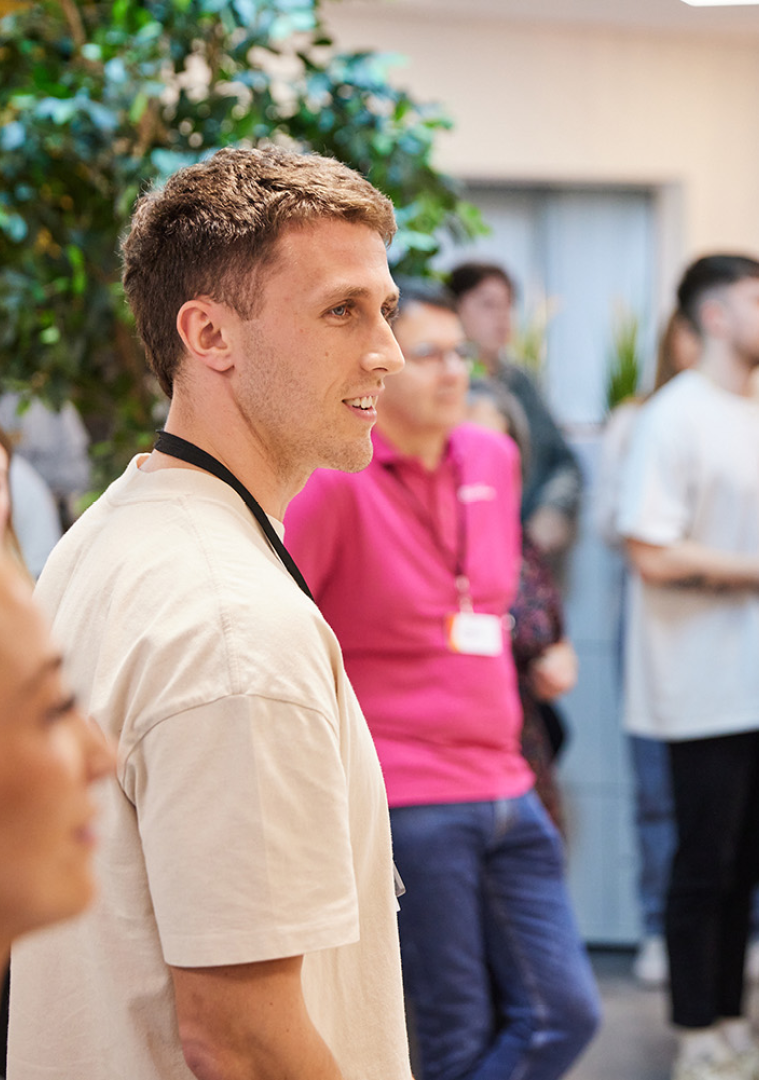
<point>139,105</point>
<point>167,162</point>
<point>115,71</point>
<point>12,136</point>
<point>247,10</point>
<point>59,110</point>
<point>80,141</point>
<point>624,361</point>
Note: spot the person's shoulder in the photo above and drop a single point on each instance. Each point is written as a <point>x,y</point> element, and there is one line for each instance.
<point>470,438</point>
<point>621,421</point>
<point>677,401</point>
<point>626,412</point>
<point>686,384</point>
<point>515,377</point>
<point>483,452</point>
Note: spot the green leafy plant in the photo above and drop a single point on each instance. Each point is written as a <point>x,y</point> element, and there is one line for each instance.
<point>624,360</point>
<point>97,98</point>
<point>529,341</point>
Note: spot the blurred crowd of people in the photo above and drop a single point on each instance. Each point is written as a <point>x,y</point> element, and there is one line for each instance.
<point>335,800</point>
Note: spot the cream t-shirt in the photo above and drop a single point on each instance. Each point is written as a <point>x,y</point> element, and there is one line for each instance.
<point>249,820</point>
<point>691,667</point>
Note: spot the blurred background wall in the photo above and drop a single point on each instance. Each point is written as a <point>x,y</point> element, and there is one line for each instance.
<point>650,92</point>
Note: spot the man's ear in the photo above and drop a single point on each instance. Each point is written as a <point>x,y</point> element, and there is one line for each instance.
<point>203,326</point>
<point>714,317</point>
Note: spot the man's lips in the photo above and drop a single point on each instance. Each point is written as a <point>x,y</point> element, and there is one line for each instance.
<point>364,406</point>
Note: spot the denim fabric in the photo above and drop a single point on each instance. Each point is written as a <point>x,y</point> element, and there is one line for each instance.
<point>655,825</point>
<point>494,969</point>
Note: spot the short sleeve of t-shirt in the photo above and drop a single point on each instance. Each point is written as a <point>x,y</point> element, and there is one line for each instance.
<point>655,503</point>
<point>257,866</point>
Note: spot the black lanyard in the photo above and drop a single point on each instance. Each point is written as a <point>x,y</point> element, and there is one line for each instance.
<point>173,446</point>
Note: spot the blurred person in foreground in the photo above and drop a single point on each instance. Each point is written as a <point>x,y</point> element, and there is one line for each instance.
<point>689,511</point>
<point>485,295</point>
<point>415,562</point>
<point>16,609</point>
<point>248,921</point>
<point>50,755</point>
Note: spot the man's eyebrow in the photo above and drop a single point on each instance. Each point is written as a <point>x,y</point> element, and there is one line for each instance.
<point>356,292</point>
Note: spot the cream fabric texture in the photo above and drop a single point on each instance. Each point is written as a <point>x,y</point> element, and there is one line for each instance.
<point>691,667</point>
<point>249,820</point>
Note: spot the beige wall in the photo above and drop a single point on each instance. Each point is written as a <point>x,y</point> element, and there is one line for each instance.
<point>538,102</point>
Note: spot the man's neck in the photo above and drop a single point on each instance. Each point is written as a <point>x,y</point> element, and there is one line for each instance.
<point>491,361</point>
<point>725,368</point>
<point>428,447</point>
<point>237,448</point>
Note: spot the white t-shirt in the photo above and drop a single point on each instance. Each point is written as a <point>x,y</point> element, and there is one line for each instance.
<point>692,654</point>
<point>249,821</point>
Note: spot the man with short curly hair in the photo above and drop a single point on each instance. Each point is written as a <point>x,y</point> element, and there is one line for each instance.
<point>247,925</point>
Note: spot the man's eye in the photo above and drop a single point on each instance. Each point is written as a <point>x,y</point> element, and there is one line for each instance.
<point>340,310</point>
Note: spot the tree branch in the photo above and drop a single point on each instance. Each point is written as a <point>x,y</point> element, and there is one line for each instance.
<point>74,20</point>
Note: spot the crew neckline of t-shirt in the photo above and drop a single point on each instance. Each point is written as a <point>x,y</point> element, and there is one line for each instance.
<point>134,483</point>
<point>740,400</point>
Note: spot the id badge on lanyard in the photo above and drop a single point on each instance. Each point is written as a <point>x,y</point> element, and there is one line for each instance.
<point>473,633</point>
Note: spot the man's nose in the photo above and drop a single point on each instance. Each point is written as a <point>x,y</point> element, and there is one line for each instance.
<point>386,352</point>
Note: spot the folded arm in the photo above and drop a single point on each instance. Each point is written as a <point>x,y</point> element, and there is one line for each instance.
<point>686,562</point>
<point>249,1022</point>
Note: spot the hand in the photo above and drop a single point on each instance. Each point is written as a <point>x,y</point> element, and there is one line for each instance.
<point>549,530</point>
<point>554,672</point>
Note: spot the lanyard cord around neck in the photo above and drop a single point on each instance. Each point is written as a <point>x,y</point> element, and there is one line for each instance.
<point>425,518</point>
<point>174,446</point>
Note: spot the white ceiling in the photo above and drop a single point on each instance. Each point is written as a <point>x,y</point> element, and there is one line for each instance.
<point>664,15</point>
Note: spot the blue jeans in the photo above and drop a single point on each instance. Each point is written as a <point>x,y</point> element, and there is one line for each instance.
<point>655,827</point>
<point>494,969</point>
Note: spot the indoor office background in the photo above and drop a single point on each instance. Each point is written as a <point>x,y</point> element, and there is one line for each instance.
<point>607,143</point>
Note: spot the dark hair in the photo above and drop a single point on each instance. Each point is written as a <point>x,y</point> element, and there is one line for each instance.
<point>214,223</point>
<point>467,276</point>
<point>708,273</point>
<point>423,291</point>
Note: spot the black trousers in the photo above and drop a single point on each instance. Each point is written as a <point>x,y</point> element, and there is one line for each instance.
<point>715,785</point>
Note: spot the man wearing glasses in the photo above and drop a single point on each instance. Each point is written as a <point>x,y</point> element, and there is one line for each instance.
<point>414,563</point>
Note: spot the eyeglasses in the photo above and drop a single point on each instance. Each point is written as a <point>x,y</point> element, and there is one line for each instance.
<point>434,356</point>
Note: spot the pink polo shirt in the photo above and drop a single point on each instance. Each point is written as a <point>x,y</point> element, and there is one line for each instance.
<point>380,549</point>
